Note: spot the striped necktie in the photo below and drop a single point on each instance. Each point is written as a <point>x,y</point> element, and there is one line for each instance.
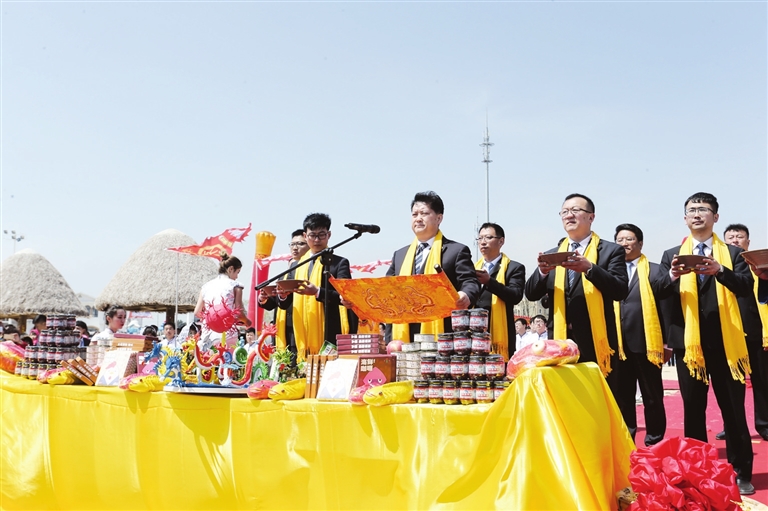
<point>701,247</point>
<point>572,273</point>
<point>418,263</point>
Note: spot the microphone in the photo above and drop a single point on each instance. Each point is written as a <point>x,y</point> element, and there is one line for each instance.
<point>373,229</point>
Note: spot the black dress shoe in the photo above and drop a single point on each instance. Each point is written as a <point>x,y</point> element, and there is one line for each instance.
<point>720,436</point>
<point>745,487</point>
<point>763,434</point>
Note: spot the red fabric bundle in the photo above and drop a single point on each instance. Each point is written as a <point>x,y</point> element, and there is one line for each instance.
<point>10,353</point>
<point>682,473</point>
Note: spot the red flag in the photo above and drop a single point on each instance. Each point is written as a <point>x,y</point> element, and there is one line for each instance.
<point>214,246</point>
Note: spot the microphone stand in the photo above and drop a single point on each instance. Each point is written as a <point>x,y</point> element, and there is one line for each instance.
<point>327,258</point>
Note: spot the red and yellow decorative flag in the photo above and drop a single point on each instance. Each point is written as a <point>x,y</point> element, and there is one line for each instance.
<point>214,246</point>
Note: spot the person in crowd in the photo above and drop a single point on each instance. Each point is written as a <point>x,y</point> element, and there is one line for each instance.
<point>754,318</point>
<point>641,339</point>
<point>169,333</point>
<point>250,339</point>
<point>502,282</point>
<point>220,304</point>
<point>708,339</point>
<point>428,249</point>
<point>583,288</point>
<point>115,318</point>
<point>82,331</point>
<point>11,333</point>
<point>37,328</point>
<point>285,338</point>
<point>539,328</point>
<point>523,336</point>
<point>308,301</point>
<point>149,331</point>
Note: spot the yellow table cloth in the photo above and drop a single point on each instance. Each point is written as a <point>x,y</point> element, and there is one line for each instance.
<point>555,440</point>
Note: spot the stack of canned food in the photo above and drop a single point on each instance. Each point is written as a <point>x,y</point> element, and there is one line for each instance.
<point>463,370</point>
<point>59,341</point>
<point>409,359</point>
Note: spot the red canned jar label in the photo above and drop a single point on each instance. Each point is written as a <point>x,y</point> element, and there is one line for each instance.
<point>467,393</point>
<point>459,368</point>
<point>427,367</point>
<point>494,368</point>
<point>497,393</point>
<point>483,395</point>
<point>476,368</point>
<point>450,393</point>
<point>435,392</point>
<point>462,344</point>
<point>420,393</point>
<point>442,368</point>
<point>481,345</point>
<point>445,346</point>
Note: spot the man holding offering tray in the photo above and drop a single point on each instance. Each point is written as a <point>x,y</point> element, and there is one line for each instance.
<point>428,249</point>
<point>582,286</point>
<point>706,277</point>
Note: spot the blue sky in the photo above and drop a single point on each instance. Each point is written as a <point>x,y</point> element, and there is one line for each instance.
<point>123,119</point>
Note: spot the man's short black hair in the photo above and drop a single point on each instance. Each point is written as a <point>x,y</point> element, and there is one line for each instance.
<point>538,316</point>
<point>702,197</point>
<point>496,228</point>
<point>316,221</point>
<point>638,232</point>
<point>250,330</point>
<point>590,204</point>
<point>297,232</point>
<point>522,321</point>
<point>737,227</point>
<point>431,199</point>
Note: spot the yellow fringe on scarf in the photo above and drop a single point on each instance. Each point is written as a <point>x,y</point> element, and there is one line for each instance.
<point>499,325</point>
<point>730,318</point>
<point>654,342</point>
<point>400,331</point>
<point>594,299</point>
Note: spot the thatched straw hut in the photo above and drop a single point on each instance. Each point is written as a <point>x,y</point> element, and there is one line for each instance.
<point>30,285</point>
<point>147,281</point>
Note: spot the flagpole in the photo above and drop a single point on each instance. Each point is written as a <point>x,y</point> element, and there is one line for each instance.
<point>176,313</point>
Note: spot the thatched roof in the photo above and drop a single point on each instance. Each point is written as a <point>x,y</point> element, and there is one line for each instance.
<point>29,285</point>
<point>147,281</point>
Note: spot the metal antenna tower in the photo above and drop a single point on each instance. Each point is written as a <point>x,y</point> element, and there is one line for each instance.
<point>486,145</point>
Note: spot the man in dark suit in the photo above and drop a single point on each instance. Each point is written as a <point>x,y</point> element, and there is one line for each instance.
<point>455,259</point>
<point>637,367</point>
<point>738,235</point>
<point>284,317</point>
<point>701,213</point>
<point>317,233</point>
<point>507,287</point>
<point>607,273</point>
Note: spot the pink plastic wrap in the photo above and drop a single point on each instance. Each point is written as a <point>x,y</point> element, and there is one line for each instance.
<point>10,353</point>
<point>542,353</point>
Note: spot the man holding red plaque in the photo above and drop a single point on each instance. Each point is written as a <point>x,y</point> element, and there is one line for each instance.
<point>428,249</point>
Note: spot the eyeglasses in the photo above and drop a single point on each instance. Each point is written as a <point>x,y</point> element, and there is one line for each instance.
<point>486,238</point>
<point>297,244</point>
<point>698,211</point>
<point>628,239</point>
<point>572,211</point>
<point>317,236</point>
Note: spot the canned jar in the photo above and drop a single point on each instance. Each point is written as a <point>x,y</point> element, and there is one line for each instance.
<point>445,344</point>
<point>17,369</point>
<point>481,343</point>
<point>50,321</point>
<point>483,392</point>
<point>462,343</point>
<point>494,367</point>
<point>71,321</point>
<point>436,392</point>
<point>476,368</point>
<point>442,368</point>
<point>467,393</point>
<point>459,320</point>
<point>24,370</point>
<point>478,320</point>
<point>459,367</point>
<point>428,367</point>
<point>498,388</point>
<point>32,374</point>
<point>421,391</point>
<point>450,393</point>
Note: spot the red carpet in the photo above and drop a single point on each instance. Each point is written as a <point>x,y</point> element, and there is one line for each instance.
<point>673,405</point>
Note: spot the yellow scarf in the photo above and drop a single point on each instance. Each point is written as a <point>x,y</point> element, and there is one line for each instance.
<point>762,308</point>
<point>594,300</point>
<point>654,342</point>
<point>400,331</point>
<point>280,318</point>
<point>730,318</point>
<point>499,332</point>
<point>308,313</point>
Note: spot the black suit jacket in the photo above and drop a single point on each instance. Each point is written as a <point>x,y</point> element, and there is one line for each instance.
<point>456,261</point>
<point>511,293</point>
<point>609,276</point>
<point>339,269</point>
<point>632,327</point>
<point>739,281</point>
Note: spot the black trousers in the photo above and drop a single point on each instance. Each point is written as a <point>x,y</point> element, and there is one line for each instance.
<point>730,399</point>
<point>637,369</point>
<point>758,359</point>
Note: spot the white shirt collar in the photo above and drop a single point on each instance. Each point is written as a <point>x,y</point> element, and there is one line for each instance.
<point>582,244</point>
<point>494,262</point>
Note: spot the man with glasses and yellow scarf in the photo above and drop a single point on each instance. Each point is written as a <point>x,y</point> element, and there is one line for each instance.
<point>430,248</point>
<point>705,331</point>
<point>582,290</point>
<point>641,339</point>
